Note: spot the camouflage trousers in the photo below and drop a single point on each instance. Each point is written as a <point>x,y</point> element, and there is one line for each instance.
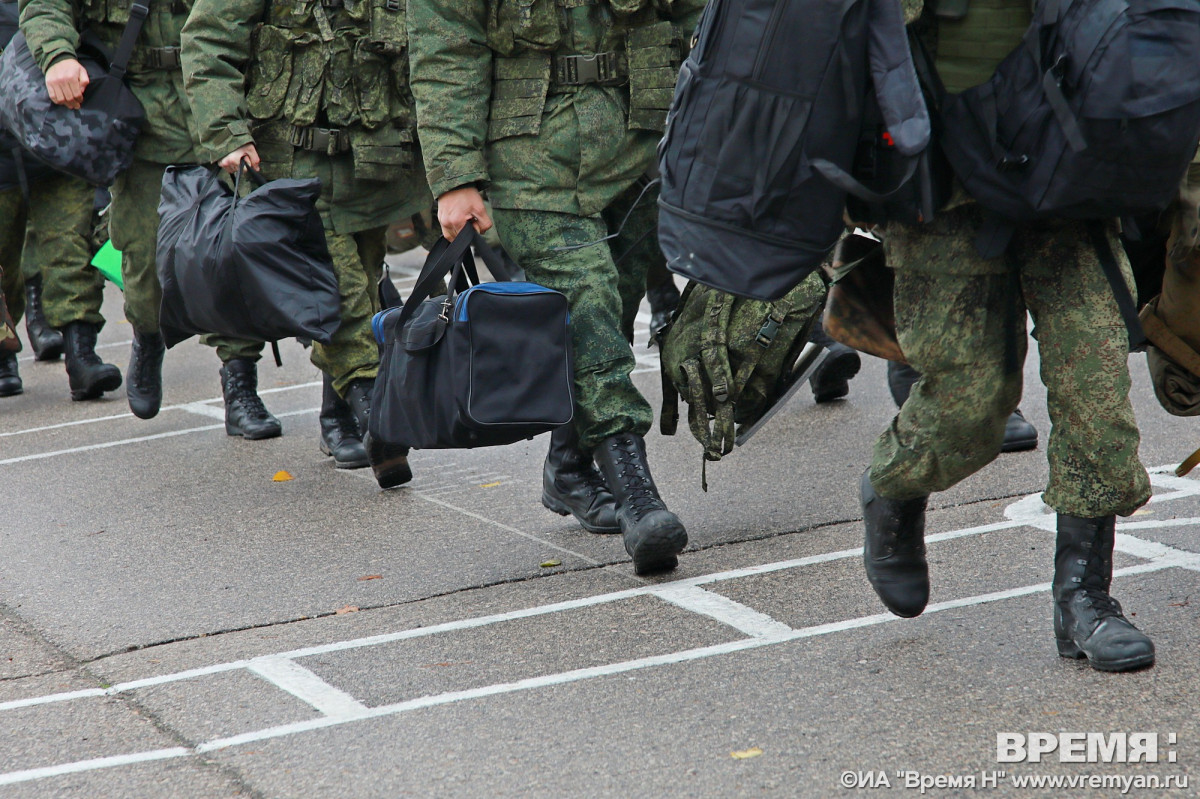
<point>954,314</point>
<point>604,283</point>
<point>133,228</point>
<point>357,261</point>
<point>51,236</point>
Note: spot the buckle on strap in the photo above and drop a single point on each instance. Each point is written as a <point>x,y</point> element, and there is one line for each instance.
<point>162,57</point>
<point>578,70</point>
<point>330,141</point>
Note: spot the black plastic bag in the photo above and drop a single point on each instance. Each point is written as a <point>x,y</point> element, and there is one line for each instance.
<point>255,267</point>
<point>484,365</point>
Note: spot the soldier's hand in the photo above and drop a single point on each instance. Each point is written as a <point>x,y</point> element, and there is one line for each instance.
<point>66,81</point>
<point>458,207</point>
<point>246,152</point>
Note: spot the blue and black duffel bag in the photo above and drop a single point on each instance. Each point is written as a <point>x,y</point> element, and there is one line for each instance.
<point>480,365</point>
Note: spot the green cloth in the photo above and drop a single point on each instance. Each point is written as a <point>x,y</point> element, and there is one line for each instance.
<point>954,311</point>
<point>108,261</point>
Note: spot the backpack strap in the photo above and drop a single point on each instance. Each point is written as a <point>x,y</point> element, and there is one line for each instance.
<point>1112,271</point>
<point>120,62</point>
<point>668,418</point>
<point>714,357</point>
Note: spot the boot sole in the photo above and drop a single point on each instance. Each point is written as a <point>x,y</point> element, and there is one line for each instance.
<point>231,430</point>
<point>326,451</point>
<point>111,383</point>
<point>558,506</point>
<point>659,552</point>
<point>1068,649</point>
<point>52,353</point>
<point>145,412</point>
<point>1019,445</point>
<point>12,392</point>
<point>390,474</point>
<point>835,378</point>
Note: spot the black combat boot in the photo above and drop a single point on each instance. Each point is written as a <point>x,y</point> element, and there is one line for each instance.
<point>88,376</point>
<point>831,380</point>
<point>47,342</point>
<point>1019,434</point>
<point>571,484</point>
<point>144,375</point>
<point>654,536</point>
<point>1087,621</point>
<point>388,462</point>
<point>663,299</point>
<point>894,550</point>
<point>245,414</point>
<point>10,378</point>
<point>340,437</point>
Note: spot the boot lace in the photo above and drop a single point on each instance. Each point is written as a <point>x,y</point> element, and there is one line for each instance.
<point>247,400</point>
<point>1103,605</point>
<point>640,497</point>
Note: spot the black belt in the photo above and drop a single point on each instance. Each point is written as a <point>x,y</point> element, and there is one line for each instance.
<point>578,70</point>
<point>330,141</point>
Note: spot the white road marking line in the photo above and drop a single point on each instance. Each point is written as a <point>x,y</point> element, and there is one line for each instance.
<point>200,409</point>
<point>137,440</point>
<point>543,681</point>
<point>306,686</point>
<point>111,345</point>
<point>164,409</point>
<point>13,777</point>
<point>725,610</point>
<point>508,527</point>
<point>50,699</point>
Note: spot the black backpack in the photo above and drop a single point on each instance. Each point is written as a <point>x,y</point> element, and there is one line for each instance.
<point>1095,115</point>
<point>763,131</point>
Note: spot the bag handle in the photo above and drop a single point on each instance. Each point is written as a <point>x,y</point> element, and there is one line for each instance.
<point>454,255</point>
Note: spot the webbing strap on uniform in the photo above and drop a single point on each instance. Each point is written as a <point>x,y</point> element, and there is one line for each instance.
<point>1112,271</point>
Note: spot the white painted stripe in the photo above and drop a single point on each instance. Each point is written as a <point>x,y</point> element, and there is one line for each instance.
<point>502,526</point>
<point>725,610</point>
<point>1155,551</point>
<point>164,409</point>
<point>111,345</point>
<point>50,699</point>
<point>95,764</point>
<point>544,681</point>
<point>200,409</point>
<point>1154,524</point>
<point>138,440</point>
<point>307,687</point>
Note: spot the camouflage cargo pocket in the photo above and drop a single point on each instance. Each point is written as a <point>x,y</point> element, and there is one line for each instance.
<point>378,161</point>
<point>270,72</point>
<point>518,96</point>
<point>372,86</point>
<point>389,33</point>
<point>341,100</point>
<point>276,156</point>
<point>654,61</point>
<point>303,101</point>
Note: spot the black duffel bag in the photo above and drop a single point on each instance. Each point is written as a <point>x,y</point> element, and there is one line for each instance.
<point>255,267</point>
<point>481,365</point>
<point>94,142</point>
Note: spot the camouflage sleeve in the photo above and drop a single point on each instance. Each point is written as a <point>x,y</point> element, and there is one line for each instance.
<point>216,42</point>
<point>451,77</point>
<point>51,29</point>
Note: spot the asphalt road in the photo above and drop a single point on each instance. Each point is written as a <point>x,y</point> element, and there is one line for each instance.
<point>176,623</point>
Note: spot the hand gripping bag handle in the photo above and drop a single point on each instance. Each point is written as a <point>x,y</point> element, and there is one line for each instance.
<point>453,255</point>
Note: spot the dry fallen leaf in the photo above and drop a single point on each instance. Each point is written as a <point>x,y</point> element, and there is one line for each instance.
<point>370,577</point>
<point>744,754</point>
<point>345,610</point>
<point>282,477</point>
<point>490,485</point>
<point>550,564</point>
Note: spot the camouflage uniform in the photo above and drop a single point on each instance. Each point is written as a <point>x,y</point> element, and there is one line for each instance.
<point>957,314</point>
<point>511,99</point>
<point>52,30</point>
<point>320,89</point>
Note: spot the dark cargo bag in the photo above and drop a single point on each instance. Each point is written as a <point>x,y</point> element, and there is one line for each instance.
<point>481,365</point>
<point>94,142</point>
<point>763,131</point>
<point>1095,115</point>
<point>255,267</point>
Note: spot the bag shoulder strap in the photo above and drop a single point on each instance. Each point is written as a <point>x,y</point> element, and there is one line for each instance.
<point>133,29</point>
<point>1112,271</point>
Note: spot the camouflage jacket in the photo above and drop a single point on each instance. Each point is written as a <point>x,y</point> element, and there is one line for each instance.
<point>52,28</point>
<point>280,74</point>
<point>553,105</point>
